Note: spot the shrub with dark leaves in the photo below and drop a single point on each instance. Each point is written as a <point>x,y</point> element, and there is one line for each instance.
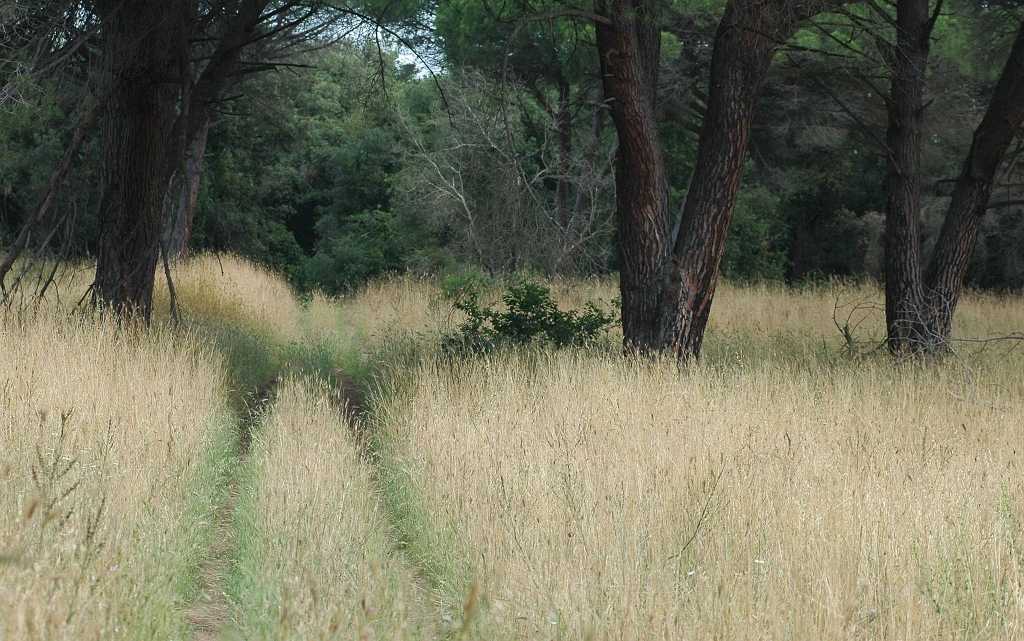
<point>530,316</point>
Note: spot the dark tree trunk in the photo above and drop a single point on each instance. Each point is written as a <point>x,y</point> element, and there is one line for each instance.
<point>906,314</point>
<point>1002,121</point>
<point>919,308</point>
<point>217,76</point>
<point>144,63</point>
<point>628,42</point>
<point>155,113</point>
<point>184,196</point>
<point>746,40</point>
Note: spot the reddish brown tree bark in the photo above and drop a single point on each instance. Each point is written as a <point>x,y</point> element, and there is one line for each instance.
<point>944,278</point>
<point>748,36</point>
<point>667,284</point>
<point>629,45</point>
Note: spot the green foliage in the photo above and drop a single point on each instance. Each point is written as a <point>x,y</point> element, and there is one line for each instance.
<point>755,248</point>
<point>354,249</point>
<point>465,284</point>
<point>35,128</point>
<point>490,36</point>
<point>322,175</point>
<point>530,317</point>
<point>302,181</point>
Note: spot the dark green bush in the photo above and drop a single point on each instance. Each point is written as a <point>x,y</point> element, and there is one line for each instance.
<point>530,316</point>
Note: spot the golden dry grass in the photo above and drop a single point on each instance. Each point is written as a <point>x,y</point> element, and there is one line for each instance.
<point>382,308</point>
<point>108,439</point>
<point>766,493</point>
<point>810,312</point>
<point>318,560</point>
<point>234,291</point>
<point>220,288</point>
<point>822,503</point>
<point>777,490</point>
<point>363,330</point>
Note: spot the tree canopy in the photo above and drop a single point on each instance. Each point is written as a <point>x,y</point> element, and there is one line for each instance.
<point>339,142</point>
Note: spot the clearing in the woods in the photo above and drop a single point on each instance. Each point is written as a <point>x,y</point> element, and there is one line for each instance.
<point>285,469</point>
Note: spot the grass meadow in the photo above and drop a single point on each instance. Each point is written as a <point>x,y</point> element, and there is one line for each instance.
<point>283,468</point>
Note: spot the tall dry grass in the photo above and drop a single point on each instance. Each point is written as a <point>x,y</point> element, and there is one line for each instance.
<point>373,327</point>
<point>317,560</point>
<point>776,490</point>
<point>811,311</point>
<point>235,292</point>
<point>777,497</point>
<point>384,307</point>
<point>112,440</point>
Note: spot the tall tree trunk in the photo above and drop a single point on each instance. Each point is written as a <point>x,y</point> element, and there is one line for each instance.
<point>147,128</point>
<point>218,74</point>
<point>629,44</point>
<point>746,40</point>
<point>183,196</point>
<point>1002,121</point>
<point>906,314</point>
<point>144,51</point>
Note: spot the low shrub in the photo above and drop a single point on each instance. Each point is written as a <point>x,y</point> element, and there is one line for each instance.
<point>529,316</point>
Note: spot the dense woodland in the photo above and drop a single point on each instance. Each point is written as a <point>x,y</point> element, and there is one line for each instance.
<point>666,141</point>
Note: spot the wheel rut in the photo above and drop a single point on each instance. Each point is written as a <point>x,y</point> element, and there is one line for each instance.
<point>210,615</point>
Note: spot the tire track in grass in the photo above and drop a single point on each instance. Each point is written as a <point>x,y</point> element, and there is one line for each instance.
<point>210,613</point>
<point>357,409</point>
<point>316,559</point>
<point>455,596</point>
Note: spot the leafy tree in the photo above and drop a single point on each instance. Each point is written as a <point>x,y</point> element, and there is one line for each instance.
<point>302,180</point>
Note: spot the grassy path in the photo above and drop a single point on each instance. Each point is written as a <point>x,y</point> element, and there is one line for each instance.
<point>210,614</point>
<point>303,545</point>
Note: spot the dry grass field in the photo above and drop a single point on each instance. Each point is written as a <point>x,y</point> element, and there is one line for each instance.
<point>593,498</point>
<point>113,442</point>
<point>788,486</point>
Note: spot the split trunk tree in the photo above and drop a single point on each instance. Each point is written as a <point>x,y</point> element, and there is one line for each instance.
<point>629,45</point>
<point>920,304</point>
<point>667,283</point>
<point>944,277</point>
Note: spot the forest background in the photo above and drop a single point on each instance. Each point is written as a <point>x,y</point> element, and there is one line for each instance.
<point>477,140</point>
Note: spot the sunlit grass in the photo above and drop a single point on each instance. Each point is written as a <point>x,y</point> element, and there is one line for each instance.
<point>113,440</point>
<point>789,486</point>
<point>593,497</point>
